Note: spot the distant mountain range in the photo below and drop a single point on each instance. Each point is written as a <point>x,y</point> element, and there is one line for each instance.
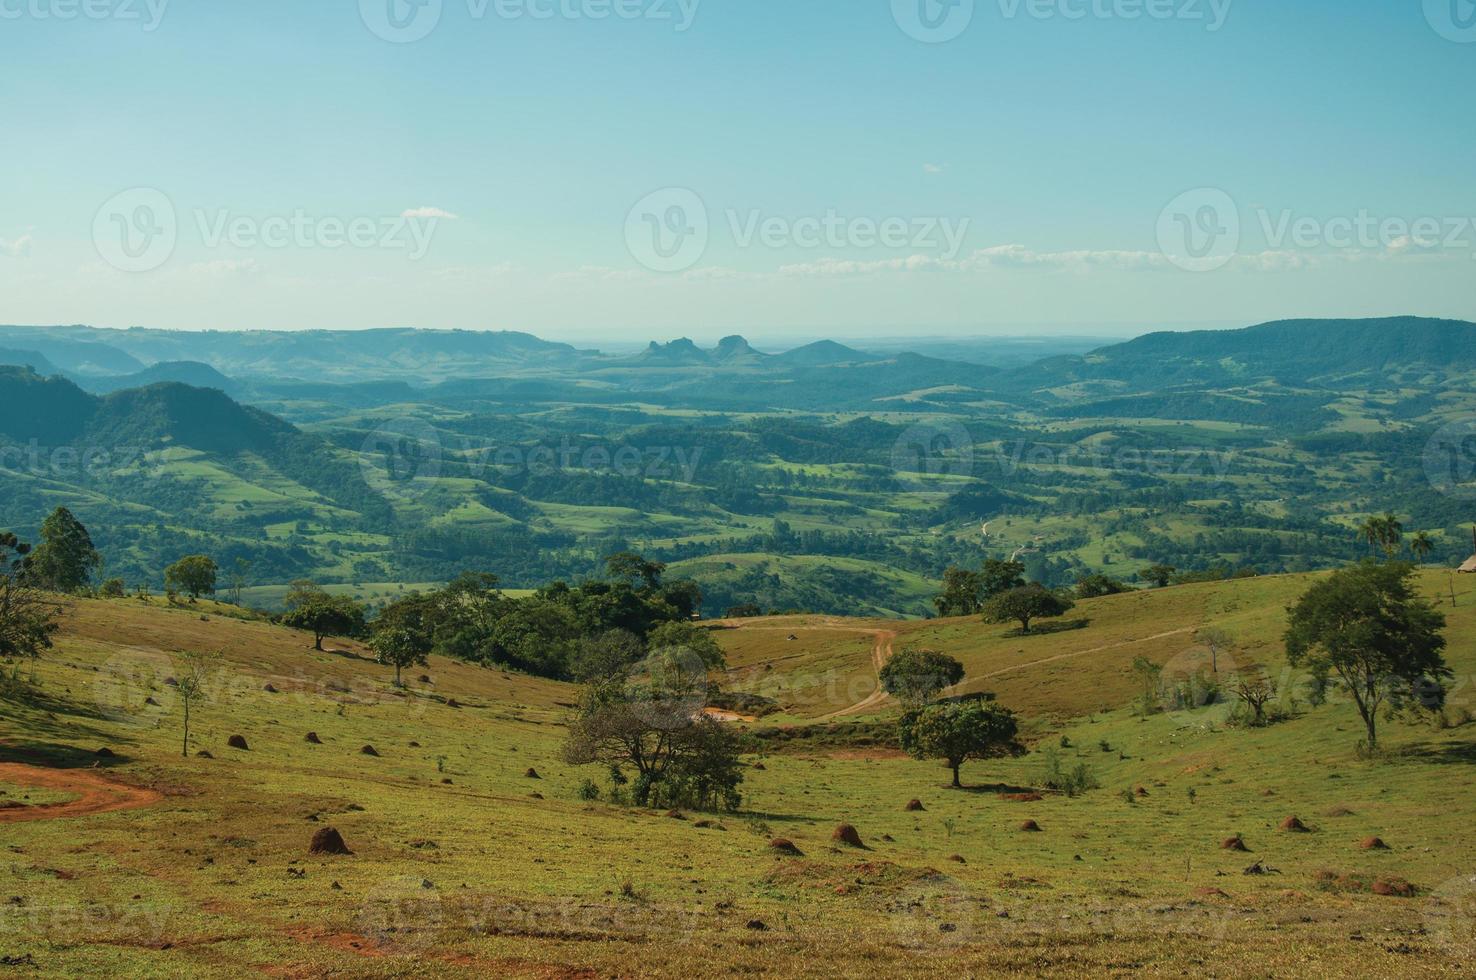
<point>375,367</point>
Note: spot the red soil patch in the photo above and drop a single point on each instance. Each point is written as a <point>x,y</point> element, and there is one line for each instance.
<point>913,806</point>
<point>95,794</point>
<point>328,841</point>
<point>1141,791</point>
<point>1373,844</point>
<point>1030,827</point>
<point>784,846</point>
<point>1209,893</point>
<point>1393,887</point>
<point>959,858</point>
<point>846,834</point>
<point>1233,844</point>
<point>1295,826</point>
<point>238,742</point>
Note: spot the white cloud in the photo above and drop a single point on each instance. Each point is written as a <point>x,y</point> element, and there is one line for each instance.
<point>429,213</point>
<point>15,249</point>
<point>934,168</point>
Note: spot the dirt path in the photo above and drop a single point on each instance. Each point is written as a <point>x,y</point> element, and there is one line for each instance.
<point>881,652</point>
<point>95,793</point>
<point>1082,653</point>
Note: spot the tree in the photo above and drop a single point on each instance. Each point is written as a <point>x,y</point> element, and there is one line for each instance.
<point>1421,545</point>
<point>686,636</point>
<point>194,574</point>
<point>1000,576</point>
<point>916,676</point>
<point>959,732</point>
<point>634,570</point>
<point>962,593</point>
<point>191,691</point>
<point>402,635</point>
<point>1254,691</point>
<point>65,559</point>
<point>1216,640</point>
<point>1149,675</point>
<point>27,617</point>
<point>1367,625</point>
<point>1096,586</point>
<point>1159,575</point>
<point>655,727</point>
<point>1392,534</point>
<point>965,592</point>
<point>1026,604</point>
<point>239,574</point>
<point>326,615</point>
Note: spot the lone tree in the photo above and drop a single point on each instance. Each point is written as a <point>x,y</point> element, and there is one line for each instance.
<point>1026,604</point>
<point>959,732</point>
<point>191,691</point>
<point>1255,691</point>
<point>1421,545</point>
<point>1159,575</point>
<point>654,726</point>
<point>27,617</point>
<point>403,634</point>
<point>1367,625</point>
<point>65,559</point>
<point>916,676</point>
<point>1215,639</point>
<point>325,615</point>
<point>194,574</point>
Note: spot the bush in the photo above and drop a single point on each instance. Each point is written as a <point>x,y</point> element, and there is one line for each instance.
<point>588,791</point>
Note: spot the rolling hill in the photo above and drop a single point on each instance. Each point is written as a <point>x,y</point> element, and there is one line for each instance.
<point>460,859</point>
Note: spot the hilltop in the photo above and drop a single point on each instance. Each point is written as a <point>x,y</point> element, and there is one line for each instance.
<point>462,858</point>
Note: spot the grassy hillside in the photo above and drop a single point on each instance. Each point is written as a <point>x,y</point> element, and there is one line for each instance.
<point>171,865</point>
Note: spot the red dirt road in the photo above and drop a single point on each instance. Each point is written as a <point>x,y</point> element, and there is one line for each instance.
<point>95,793</point>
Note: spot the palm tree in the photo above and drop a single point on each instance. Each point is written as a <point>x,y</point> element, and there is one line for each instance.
<point>1422,544</point>
<point>1371,531</point>
<point>1393,536</point>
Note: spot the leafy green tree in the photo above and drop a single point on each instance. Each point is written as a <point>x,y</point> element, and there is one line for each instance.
<point>1025,605</point>
<point>28,619</point>
<point>65,559</point>
<point>194,574</point>
<point>656,728</point>
<point>965,592</point>
<point>962,594</point>
<point>326,615</point>
<point>1367,625</point>
<point>607,656</point>
<point>1159,575</point>
<point>402,635</point>
<point>916,676</point>
<point>634,570</point>
<point>958,732</point>
<point>688,636</point>
<point>1096,586</point>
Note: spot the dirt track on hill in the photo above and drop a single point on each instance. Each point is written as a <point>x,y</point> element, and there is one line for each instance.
<point>881,652</point>
<point>95,793</point>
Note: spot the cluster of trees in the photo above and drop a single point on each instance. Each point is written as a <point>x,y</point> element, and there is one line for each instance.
<point>566,632</point>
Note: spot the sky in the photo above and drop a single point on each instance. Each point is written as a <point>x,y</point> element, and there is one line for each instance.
<point>632,169</point>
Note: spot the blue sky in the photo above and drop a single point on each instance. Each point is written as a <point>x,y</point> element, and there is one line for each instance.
<point>697,167</point>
